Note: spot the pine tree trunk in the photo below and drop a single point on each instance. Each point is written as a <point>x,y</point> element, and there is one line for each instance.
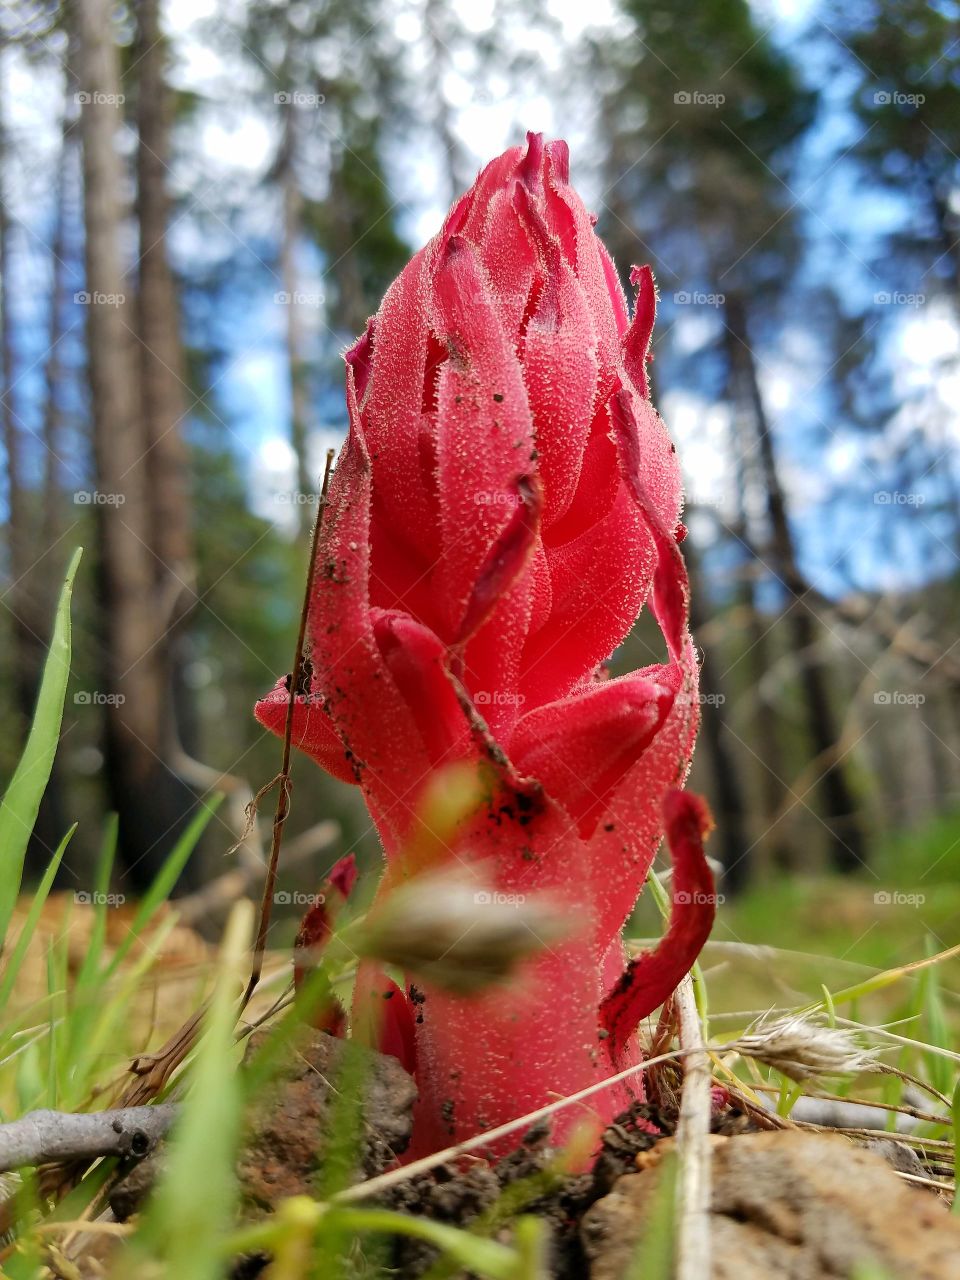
<point>728,796</point>
<point>774,849</point>
<point>26,644</point>
<point>454,161</point>
<point>128,607</point>
<point>299,398</point>
<point>52,819</point>
<point>838,804</point>
<point>162,387</point>
<point>771,844</point>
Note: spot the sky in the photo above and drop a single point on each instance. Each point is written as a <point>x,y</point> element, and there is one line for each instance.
<point>234,150</point>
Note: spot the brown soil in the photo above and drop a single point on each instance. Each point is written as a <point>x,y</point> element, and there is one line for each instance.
<point>794,1205</point>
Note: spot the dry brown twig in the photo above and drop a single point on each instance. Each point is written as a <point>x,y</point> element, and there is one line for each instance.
<point>283,777</point>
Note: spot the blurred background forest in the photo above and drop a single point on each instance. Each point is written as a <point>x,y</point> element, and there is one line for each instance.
<point>202,200</point>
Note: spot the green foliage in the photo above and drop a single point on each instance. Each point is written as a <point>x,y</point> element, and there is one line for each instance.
<point>192,1208</point>
<point>12,967</point>
<point>21,802</point>
<point>700,126</point>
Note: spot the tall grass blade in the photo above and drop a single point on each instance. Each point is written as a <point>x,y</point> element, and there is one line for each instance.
<point>30,924</point>
<point>21,802</point>
<point>193,1208</point>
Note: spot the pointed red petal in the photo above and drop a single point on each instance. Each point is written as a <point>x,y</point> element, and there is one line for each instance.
<point>569,218</point>
<point>382,1018</point>
<point>388,365</point>
<point>559,367</point>
<point>599,582</point>
<point>581,747</point>
<point>636,341</point>
<point>343,876</point>
<point>369,712</point>
<point>488,499</point>
<point>653,976</point>
<point>417,661</point>
<point>312,731</point>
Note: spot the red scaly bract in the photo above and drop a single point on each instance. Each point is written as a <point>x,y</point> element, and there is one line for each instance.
<point>505,505</point>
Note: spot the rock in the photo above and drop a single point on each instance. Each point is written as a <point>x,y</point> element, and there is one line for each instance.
<point>127,1196</point>
<point>897,1155</point>
<point>288,1129</point>
<point>793,1205</point>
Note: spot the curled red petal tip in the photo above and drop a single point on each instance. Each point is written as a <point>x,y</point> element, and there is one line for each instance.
<point>655,975</point>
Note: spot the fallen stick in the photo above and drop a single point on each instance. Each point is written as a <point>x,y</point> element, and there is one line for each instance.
<point>52,1137</point>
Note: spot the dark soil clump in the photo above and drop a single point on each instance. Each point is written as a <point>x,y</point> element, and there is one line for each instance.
<point>528,1180</point>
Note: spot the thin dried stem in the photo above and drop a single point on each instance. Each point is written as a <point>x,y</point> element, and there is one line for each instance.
<point>283,796</point>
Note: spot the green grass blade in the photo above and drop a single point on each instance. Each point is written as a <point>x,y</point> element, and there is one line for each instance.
<point>486,1258</point>
<point>936,1029</point>
<point>652,1258</point>
<point>193,1207</point>
<point>30,924</point>
<point>163,882</point>
<point>90,966</point>
<point>21,802</point>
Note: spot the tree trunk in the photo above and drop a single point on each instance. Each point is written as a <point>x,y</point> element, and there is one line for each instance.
<point>729,806</point>
<point>26,644</point>
<point>838,804</point>
<point>34,565</point>
<point>290,237</point>
<point>454,161</point>
<point>132,690</point>
<point>52,819</point>
<point>162,386</point>
<point>53,370</point>
<point>771,845</point>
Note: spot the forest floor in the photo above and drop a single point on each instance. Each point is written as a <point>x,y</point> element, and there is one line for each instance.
<point>783,1202</point>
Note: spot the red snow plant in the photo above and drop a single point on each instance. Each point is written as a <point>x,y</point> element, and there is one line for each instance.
<point>506,504</point>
